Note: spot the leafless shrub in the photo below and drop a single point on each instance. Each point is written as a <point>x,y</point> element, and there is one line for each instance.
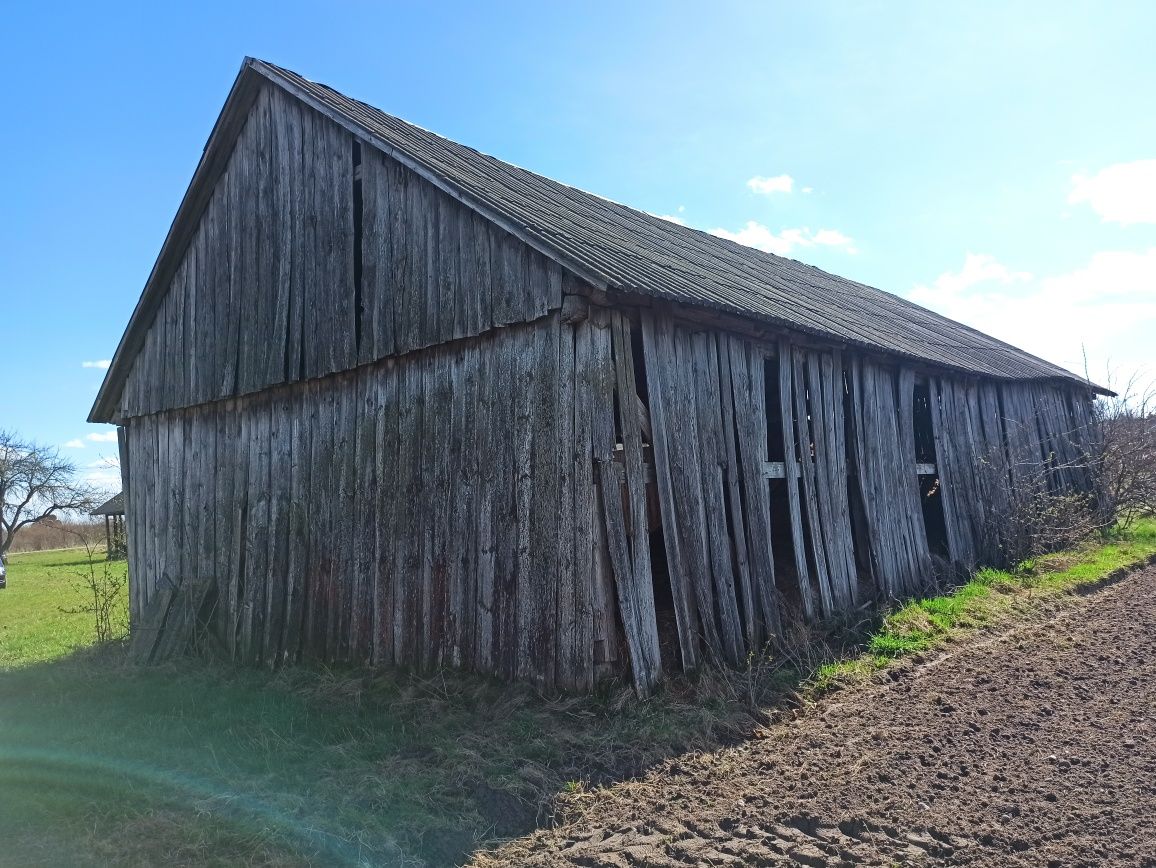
<point>102,586</point>
<point>1031,512</point>
<point>1124,453</point>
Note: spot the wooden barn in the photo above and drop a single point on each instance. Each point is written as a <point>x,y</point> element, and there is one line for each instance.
<point>389,400</point>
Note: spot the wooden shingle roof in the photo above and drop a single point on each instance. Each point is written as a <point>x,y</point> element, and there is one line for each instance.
<point>113,506</point>
<point>611,246</point>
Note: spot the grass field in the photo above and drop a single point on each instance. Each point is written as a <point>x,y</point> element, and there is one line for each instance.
<point>32,626</point>
<point>101,763</point>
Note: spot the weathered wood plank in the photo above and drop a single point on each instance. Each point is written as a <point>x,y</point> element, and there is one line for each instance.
<point>731,478</point>
<point>489,451</point>
<point>792,460</point>
<point>687,482</point>
<point>518,629</point>
<point>435,445</point>
<point>545,499</point>
<point>462,495</point>
<point>388,509</point>
<point>363,578</point>
<point>448,286</point>
<point>256,563</point>
<point>747,378</point>
<point>628,544</point>
<point>660,359</point>
<point>713,461</point>
<point>299,537</point>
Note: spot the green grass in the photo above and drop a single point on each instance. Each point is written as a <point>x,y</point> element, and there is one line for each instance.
<point>32,626</point>
<point>102,763</point>
<point>991,595</point>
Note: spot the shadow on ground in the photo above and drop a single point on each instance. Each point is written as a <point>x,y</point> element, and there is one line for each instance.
<point>102,762</point>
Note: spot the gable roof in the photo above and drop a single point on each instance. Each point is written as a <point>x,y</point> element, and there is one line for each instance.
<point>113,506</point>
<point>611,246</point>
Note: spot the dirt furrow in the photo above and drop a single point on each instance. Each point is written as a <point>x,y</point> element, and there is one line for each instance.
<point>1035,748</point>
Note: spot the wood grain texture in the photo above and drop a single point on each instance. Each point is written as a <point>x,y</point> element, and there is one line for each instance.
<point>427,513</point>
<point>268,291</point>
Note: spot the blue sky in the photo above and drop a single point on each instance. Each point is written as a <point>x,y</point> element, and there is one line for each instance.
<point>995,163</point>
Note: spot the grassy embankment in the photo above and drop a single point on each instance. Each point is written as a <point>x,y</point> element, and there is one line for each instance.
<point>991,596</point>
<point>101,763</point>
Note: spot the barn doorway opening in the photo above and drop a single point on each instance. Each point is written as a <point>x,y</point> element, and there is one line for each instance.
<point>782,539</point>
<point>930,488</point>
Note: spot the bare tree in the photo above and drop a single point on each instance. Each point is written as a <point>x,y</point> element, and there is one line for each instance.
<point>35,482</point>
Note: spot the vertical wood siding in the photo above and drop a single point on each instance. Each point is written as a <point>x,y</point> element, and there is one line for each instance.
<point>316,254</point>
<point>997,442</point>
<point>848,425</point>
<point>881,402</point>
<point>431,512</point>
<point>708,415</point>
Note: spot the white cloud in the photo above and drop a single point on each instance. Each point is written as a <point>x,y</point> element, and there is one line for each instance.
<point>808,190</point>
<point>1107,307</point>
<point>671,217</point>
<point>74,444</point>
<point>1124,193</point>
<point>102,437</point>
<point>977,268</point>
<point>767,186</point>
<point>108,478</point>
<point>756,235</point>
<point>831,238</point>
<point>99,363</point>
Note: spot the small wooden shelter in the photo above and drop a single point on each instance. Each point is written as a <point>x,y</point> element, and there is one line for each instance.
<point>389,400</point>
<point>114,528</point>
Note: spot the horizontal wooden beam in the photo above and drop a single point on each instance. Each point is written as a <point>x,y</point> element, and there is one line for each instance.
<point>771,469</point>
<point>778,469</point>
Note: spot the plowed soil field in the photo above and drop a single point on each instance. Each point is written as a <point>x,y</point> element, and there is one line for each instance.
<point>1032,746</point>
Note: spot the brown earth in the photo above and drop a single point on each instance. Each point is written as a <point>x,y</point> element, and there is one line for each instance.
<point>1036,746</point>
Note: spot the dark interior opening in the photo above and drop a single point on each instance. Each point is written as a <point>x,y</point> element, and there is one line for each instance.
<point>638,360</point>
<point>358,264</point>
<point>933,520</point>
<point>782,540</point>
<point>924,431</point>
<point>783,545</point>
<point>670,651</point>
<point>772,396</point>
<point>930,491</point>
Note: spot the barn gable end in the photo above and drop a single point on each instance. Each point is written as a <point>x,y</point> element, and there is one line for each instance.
<point>314,253</point>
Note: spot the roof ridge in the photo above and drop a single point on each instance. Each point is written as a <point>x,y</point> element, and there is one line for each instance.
<point>608,244</point>
<point>752,263</point>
